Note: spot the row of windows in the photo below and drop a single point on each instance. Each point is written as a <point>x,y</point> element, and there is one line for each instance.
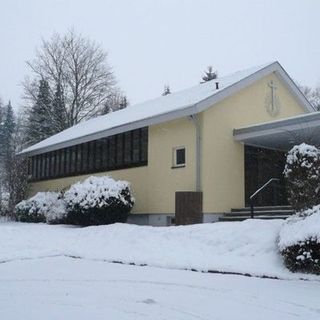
<point>124,150</point>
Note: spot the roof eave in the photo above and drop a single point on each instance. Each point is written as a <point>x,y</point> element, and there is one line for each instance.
<point>189,110</point>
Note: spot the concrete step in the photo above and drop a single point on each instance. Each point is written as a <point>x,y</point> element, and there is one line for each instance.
<point>273,208</point>
<point>242,218</point>
<point>260,213</point>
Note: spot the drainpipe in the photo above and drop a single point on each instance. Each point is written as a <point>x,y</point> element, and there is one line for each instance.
<point>197,126</point>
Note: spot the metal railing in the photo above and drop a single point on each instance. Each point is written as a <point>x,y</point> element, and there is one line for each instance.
<point>257,192</point>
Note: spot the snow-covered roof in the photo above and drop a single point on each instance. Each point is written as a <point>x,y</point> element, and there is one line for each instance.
<point>165,108</point>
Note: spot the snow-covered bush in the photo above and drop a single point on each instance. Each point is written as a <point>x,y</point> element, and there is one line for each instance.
<point>98,200</point>
<point>302,176</point>
<point>43,207</point>
<point>299,241</point>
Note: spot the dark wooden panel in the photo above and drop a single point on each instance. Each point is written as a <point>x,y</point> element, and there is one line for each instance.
<point>188,207</point>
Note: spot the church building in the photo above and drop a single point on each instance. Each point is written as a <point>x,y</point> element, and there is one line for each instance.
<point>221,139</point>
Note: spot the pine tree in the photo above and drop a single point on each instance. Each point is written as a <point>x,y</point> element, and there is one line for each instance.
<point>60,121</point>
<point>2,152</point>
<point>39,124</point>
<point>8,129</point>
<point>123,102</point>
<point>209,74</point>
<point>7,149</point>
<point>166,90</point>
<point>2,137</point>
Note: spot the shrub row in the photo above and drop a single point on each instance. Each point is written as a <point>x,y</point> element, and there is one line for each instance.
<point>95,201</point>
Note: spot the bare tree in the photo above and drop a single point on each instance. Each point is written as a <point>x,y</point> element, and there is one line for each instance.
<point>116,101</point>
<point>313,95</point>
<point>79,67</point>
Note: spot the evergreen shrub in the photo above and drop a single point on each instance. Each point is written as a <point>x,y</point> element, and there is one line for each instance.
<point>46,207</point>
<point>98,200</point>
<point>302,176</point>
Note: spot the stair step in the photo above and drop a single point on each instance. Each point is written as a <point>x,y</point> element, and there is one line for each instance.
<point>242,218</point>
<point>273,208</point>
<point>260,213</point>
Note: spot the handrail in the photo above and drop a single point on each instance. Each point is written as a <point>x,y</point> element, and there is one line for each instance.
<point>257,192</point>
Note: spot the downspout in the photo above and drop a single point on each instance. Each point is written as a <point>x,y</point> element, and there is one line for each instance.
<point>195,120</point>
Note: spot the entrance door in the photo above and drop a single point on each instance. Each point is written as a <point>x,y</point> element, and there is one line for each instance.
<point>260,166</point>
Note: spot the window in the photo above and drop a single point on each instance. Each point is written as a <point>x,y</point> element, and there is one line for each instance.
<point>179,157</point>
<point>123,150</point>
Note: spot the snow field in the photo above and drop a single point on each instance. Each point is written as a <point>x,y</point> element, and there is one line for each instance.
<point>242,247</point>
<point>64,288</point>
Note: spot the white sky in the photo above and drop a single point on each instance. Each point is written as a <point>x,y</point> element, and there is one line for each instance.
<point>153,42</point>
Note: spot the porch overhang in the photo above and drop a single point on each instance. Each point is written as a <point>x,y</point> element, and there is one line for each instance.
<point>282,134</point>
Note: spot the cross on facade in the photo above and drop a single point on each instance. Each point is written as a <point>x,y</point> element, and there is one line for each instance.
<point>273,88</point>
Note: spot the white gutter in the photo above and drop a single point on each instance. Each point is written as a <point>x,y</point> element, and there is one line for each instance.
<point>197,125</point>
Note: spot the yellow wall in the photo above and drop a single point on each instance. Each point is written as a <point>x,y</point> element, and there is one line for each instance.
<point>133,175</point>
<point>222,157</point>
<point>154,186</point>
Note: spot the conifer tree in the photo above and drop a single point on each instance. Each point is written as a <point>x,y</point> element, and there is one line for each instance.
<point>60,121</point>
<point>209,74</point>
<point>40,115</point>
<point>166,90</point>
<point>8,130</point>
<point>123,102</point>
<point>2,138</point>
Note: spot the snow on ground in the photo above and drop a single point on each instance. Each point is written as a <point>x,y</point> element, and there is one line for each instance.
<point>65,288</point>
<point>241,247</point>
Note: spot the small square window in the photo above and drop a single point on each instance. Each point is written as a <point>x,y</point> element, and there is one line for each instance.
<point>179,157</point>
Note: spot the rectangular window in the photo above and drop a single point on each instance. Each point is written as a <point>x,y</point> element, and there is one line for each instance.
<point>144,145</point>
<point>52,164</point>
<point>112,152</point>
<point>79,158</point>
<point>119,151</point>
<point>67,157</point>
<point>179,157</point>
<point>62,162</point>
<point>84,158</point>
<point>57,163</point>
<point>136,146</point>
<point>127,148</point>
<point>73,159</point>
<point>43,162</point>
<point>91,155</point>
<point>98,154</point>
<point>105,153</point>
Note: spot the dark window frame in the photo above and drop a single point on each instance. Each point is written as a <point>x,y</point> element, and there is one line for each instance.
<point>120,151</point>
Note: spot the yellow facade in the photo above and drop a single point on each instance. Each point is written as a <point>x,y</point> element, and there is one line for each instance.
<point>222,159</point>
<point>154,185</point>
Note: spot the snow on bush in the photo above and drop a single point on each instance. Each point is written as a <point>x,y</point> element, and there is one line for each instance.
<point>43,207</point>
<point>98,200</point>
<point>299,241</point>
<point>302,176</point>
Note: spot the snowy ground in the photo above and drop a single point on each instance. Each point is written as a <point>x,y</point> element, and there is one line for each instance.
<point>40,278</point>
<point>66,288</point>
<point>241,247</point>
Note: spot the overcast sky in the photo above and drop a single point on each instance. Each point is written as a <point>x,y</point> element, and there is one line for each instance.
<point>152,43</point>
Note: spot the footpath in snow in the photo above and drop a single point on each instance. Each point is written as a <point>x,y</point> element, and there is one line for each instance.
<point>248,247</point>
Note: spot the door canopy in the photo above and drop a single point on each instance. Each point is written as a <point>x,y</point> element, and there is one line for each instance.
<point>282,134</point>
